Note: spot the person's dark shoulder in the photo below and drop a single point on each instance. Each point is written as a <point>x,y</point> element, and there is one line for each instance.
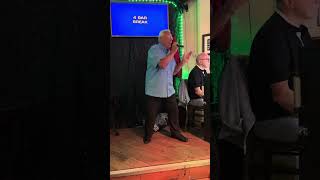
<point>271,49</point>
<point>194,71</point>
<point>194,75</point>
<point>272,32</point>
<point>268,41</point>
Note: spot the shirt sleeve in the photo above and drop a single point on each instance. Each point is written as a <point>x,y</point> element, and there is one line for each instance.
<point>196,80</point>
<point>154,56</point>
<point>278,57</point>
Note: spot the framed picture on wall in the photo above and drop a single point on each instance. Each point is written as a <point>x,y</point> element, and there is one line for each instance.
<point>206,43</point>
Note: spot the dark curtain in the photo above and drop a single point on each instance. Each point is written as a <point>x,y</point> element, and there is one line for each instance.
<point>52,90</point>
<point>128,63</point>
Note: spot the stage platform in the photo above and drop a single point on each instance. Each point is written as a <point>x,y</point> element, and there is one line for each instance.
<point>163,158</point>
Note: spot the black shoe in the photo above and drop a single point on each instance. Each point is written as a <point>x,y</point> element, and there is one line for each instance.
<point>179,136</point>
<point>146,140</point>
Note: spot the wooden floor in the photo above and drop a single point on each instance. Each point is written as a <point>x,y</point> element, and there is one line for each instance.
<point>128,153</point>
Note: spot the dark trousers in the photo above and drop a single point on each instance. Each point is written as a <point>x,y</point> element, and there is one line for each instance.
<point>154,105</point>
<point>284,129</point>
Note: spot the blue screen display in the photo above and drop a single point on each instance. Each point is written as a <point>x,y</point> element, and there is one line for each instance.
<point>137,19</point>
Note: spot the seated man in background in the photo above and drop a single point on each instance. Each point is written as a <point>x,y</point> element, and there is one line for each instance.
<point>275,48</point>
<point>197,79</point>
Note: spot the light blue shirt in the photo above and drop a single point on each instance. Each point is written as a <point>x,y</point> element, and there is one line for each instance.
<point>159,82</point>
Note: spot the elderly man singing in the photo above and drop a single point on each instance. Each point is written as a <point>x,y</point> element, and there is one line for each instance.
<point>161,67</point>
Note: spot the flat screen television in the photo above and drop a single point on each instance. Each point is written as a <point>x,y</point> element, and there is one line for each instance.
<point>138,19</point>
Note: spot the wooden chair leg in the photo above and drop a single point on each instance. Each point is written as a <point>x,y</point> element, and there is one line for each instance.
<point>113,106</point>
<point>187,119</point>
<point>114,124</point>
<point>190,117</point>
<point>116,133</point>
<point>193,117</point>
<point>114,128</point>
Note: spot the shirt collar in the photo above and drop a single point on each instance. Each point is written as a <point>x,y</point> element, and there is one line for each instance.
<point>162,47</point>
<point>202,69</point>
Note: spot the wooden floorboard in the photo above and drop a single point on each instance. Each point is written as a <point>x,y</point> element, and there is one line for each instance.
<point>196,173</point>
<point>127,151</point>
<point>192,166</point>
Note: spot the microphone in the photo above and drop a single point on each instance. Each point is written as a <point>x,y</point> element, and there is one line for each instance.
<point>179,45</point>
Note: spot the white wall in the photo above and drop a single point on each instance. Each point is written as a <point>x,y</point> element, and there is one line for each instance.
<point>196,23</point>
<point>255,15</point>
<point>241,38</point>
<point>190,34</point>
<point>203,9</point>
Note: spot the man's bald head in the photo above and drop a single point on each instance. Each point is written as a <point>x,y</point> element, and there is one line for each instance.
<point>203,60</point>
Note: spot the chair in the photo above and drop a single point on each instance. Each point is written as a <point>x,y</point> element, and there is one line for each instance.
<point>114,106</point>
<point>184,100</point>
<point>193,112</point>
<point>271,148</point>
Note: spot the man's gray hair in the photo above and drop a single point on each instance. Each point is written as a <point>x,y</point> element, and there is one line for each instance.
<point>200,54</point>
<point>163,32</point>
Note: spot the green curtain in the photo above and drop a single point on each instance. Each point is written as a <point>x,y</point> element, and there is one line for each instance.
<point>218,60</point>
<point>217,63</point>
<point>176,82</point>
<point>177,28</point>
